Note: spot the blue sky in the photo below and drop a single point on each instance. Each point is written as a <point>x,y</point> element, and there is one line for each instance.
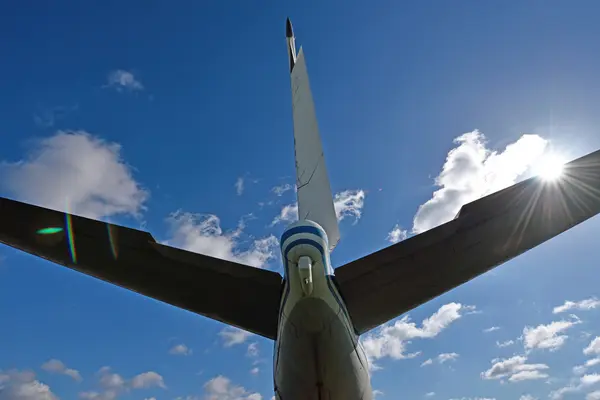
<point>148,116</point>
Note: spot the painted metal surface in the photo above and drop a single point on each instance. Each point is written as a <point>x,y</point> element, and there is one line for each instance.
<point>315,200</point>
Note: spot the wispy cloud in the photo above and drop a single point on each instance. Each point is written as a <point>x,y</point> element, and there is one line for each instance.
<point>581,369</point>
<point>576,386</point>
<point>491,329</point>
<point>58,367</point>
<point>203,234</point>
<point>48,117</point>
<point>441,358</point>
<point>397,234</point>
<point>232,336</point>
<point>583,305</point>
<point>123,80</point>
<point>595,395</point>
<point>75,172</point>
<point>288,213</point>
<point>252,350</point>
<point>527,397</point>
<point>471,171</point>
<point>474,398</point>
<point>347,204</point>
<point>239,186</point>
<point>281,189</point>
<point>515,369</point>
<point>505,343</point>
<point>391,339</point>
<point>594,347</point>
<point>180,350</point>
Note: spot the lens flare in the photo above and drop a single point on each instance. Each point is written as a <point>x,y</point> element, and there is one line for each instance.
<point>71,238</point>
<point>550,167</point>
<point>49,230</point>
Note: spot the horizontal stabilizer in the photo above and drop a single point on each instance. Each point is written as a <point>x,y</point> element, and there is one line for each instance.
<point>485,234</point>
<point>235,294</point>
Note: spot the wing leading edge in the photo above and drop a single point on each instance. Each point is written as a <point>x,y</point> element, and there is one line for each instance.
<point>485,234</point>
<point>235,294</point>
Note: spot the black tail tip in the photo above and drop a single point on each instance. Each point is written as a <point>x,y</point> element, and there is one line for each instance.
<point>289,31</point>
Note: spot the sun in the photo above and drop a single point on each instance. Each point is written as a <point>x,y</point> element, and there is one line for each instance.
<point>550,167</point>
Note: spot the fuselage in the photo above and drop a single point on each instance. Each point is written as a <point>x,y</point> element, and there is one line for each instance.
<point>317,353</point>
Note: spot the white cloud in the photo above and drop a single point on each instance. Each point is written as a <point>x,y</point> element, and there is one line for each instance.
<point>559,393</point>
<point>147,380</point>
<point>120,79</point>
<point>252,350</point>
<point>111,380</point>
<point>593,395</point>
<point>348,203</point>
<point>505,344</point>
<point>442,358</point>
<point>92,395</point>
<point>583,305</point>
<point>472,171</point>
<point>180,350</point>
<point>377,392</point>
<point>113,384</point>
<point>475,398</point>
<point>221,388</point>
<point>232,336</point>
<point>527,376</point>
<point>593,348</point>
<point>255,371</point>
<point>281,189</point>
<point>239,186</point>
<point>547,336</point>
<point>58,367</point>
<point>430,394</point>
<point>397,234</point>
<point>591,379</point>
<point>527,397</point>
<point>390,340</point>
<point>288,213</point>
<point>491,329</point>
<point>75,172</point>
<point>581,369</point>
<point>203,234</point>
<point>584,383</point>
<point>515,369</point>
<point>22,385</point>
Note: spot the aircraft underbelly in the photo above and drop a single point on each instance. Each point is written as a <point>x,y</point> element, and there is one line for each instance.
<point>317,356</point>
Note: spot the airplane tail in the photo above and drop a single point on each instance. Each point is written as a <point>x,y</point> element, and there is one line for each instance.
<point>315,200</point>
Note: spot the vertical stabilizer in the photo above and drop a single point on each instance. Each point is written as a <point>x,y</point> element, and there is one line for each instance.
<point>315,201</point>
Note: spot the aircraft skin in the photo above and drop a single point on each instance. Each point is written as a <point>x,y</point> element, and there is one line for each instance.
<point>315,316</point>
<point>317,353</point>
